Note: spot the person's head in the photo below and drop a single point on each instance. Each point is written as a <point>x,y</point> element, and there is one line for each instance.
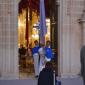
<point>36,42</point>
<point>48,43</point>
<point>48,65</point>
<point>21,45</point>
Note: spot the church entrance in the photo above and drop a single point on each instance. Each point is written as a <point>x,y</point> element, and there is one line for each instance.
<point>28,32</point>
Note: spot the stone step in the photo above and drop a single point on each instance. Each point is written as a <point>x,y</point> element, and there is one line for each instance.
<point>19,82</point>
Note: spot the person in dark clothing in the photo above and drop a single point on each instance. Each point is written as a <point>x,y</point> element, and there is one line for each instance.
<point>46,75</point>
<point>22,57</point>
<point>82,60</point>
<point>22,50</point>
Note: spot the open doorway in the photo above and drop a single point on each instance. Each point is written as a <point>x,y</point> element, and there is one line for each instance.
<point>28,32</point>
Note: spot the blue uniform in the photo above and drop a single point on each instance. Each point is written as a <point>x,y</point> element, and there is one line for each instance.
<point>48,52</point>
<point>36,59</point>
<point>35,49</point>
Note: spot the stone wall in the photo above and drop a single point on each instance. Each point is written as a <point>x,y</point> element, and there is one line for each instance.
<point>71,36</point>
<point>8,39</point>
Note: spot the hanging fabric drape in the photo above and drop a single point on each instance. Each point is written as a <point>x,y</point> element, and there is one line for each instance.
<point>27,28</point>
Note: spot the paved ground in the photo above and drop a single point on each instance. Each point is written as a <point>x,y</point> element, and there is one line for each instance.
<point>64,81</point>
<point>19,82</point>
<point>71,81</point>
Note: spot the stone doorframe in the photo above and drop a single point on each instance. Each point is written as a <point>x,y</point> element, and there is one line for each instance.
<point>59,38</point>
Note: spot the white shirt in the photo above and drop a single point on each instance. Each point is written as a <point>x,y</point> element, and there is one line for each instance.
<point>41,51</point>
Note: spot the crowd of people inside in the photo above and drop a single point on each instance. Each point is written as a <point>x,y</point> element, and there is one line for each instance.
<point>40,53</point>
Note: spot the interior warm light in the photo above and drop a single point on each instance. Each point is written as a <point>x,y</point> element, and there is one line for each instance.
<point>47,20</point>
<point>33,28</point>
<point>20,24</point>
<point>48,33</point>
<point>35,36</point>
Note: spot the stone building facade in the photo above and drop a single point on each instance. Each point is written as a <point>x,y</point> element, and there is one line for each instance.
<point>70,34</point>
<point>8,39</point>
<point>71,38</point>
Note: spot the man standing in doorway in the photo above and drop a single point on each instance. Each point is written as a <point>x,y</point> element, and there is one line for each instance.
<point>36,58</point>
<point>82,59</point>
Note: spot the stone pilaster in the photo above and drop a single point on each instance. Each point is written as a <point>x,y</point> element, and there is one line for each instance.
<point>82,22</point>
<point>70,37</point>
<point>8,39</point>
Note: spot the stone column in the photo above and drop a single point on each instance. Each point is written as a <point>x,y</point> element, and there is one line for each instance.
<point>64,42</point>
<point>9,39</point>
<point>82,22</point>
<point>69,39</point>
